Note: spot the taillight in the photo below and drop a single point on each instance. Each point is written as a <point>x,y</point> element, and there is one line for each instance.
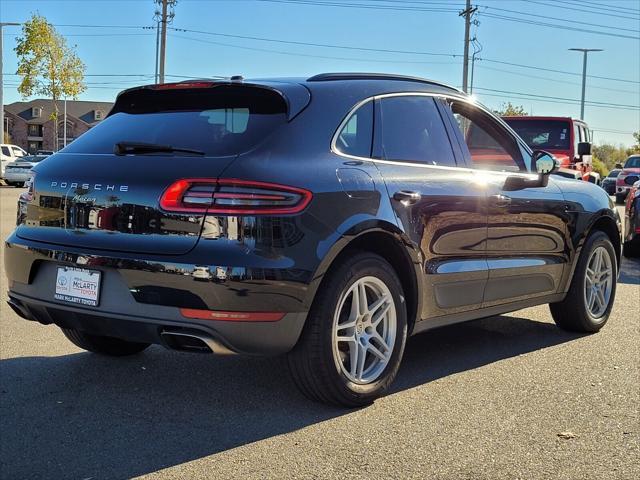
<point>233,197</point>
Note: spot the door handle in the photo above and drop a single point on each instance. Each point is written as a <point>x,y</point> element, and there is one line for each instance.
<point>500,200</point>
<point>407,197</point>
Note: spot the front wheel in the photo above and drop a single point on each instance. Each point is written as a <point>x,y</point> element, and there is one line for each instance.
<point>352,344</point>
<point>588,303</point>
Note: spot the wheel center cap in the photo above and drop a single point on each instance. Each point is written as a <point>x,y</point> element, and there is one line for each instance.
<point>359,327</point>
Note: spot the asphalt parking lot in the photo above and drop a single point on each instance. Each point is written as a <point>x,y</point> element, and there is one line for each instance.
<point>506,397</point>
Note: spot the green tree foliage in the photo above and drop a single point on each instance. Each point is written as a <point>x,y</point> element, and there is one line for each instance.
<point>509,110</point>
<point>636,147</point>
<point>600,167</point>
<point>610,155</point>
<point>47,65</point>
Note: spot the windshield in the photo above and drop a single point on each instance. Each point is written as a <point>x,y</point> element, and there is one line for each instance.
<point>542,134</point>
<point>632,162</point>
<point>221,121</point>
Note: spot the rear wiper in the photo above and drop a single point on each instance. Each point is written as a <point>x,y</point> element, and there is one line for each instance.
<point>127,148</point>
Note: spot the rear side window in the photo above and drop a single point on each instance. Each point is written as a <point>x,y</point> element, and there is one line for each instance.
<point>411,129</point>
<point>356,136</point>
<point>5,151</point>
<point>220,121</point>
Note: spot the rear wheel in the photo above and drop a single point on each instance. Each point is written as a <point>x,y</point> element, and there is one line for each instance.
<point>353,341</point>
<point>111,346</point>
<point>588,303</point>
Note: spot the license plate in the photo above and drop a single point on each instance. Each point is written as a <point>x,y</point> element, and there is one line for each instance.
<point>78,285</point>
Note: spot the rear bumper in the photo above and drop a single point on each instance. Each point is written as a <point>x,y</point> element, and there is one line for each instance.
<point>11,176</point>
<point>148,325</point>
<point>140,299</point>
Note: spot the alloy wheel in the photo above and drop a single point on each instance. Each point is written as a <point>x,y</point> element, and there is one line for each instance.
<point>598,282</point>
<point>364,330</point>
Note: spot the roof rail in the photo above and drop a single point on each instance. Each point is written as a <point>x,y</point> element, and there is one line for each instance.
<point>324,77</point>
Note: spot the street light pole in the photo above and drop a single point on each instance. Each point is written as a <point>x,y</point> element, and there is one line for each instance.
<point>584,51</point>
<point>5,24</point>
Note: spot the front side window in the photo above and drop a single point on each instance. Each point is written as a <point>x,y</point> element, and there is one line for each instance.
<point>490,145</point>
<point>411,129</point>
<point>356,135</point>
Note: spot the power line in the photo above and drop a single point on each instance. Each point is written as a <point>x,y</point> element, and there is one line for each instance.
<point>553,25</point>
<point>571,21</point>
<point>310,55</point>
<point>528,75</point>
<point>548,97</point>
<point>533,67</point>
<point>574,9</point>
<point>318,3</point>
<point>323,45</point>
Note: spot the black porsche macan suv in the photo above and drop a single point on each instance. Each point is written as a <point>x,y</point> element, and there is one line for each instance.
<point>325,218</point>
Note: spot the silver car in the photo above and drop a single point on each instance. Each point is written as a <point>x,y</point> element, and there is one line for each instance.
<point>17,173</point>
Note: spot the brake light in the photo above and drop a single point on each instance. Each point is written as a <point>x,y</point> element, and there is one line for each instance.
<point>231,316</point>
<point>179,85</point>
<point>233,197</point>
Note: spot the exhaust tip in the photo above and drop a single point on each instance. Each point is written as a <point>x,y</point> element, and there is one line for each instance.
<point>194,342</point>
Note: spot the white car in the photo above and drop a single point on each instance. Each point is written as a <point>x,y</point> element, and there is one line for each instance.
<point>17,173</point>
<point>9,153</point>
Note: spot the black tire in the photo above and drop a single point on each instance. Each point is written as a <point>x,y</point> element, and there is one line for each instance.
<point>312,363</point>
<point>620,199</point>
<point>111,346</point>
<point>572,313</point>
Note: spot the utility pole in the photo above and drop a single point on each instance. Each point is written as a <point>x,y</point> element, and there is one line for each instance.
<point>468,13</point>
<point>166,17</point>
<point>584,51</point>
<point>5,24</point>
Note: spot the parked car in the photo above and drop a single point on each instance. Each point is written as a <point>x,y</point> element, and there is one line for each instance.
<point>17,173</point>
<point>348,211</point>
<point>629,175</point>
<point>631,236</point>
<point>609,182</point>
<point>45,152</point>
<point>9,153</point>
<point>568,139</point>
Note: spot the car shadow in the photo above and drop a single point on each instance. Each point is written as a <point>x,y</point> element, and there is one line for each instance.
<point>83,415</point>
<point>630,271</point>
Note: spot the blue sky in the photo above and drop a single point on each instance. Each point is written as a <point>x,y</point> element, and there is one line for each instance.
<point>423,27</point>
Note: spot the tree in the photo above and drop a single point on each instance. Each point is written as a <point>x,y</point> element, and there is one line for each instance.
<point>47,65</point>
<point>635,149</point>
<point>509,110</point>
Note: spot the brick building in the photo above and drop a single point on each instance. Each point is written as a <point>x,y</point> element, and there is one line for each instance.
<point>30,125</point>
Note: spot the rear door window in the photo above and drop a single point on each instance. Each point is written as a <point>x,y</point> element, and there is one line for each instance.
<point>220,121</point>
<point>410,128</point>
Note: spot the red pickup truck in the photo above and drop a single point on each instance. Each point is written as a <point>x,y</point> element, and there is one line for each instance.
<point>568,139</point>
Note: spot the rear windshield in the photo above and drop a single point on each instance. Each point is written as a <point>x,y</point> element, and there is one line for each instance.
<point>541,134</point>
<point>632,162</point>
<point>614,173</point>
<point>220,121</point>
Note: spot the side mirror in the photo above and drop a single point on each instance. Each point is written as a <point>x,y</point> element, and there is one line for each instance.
<point>543,163</point>
<point>584,148</point>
